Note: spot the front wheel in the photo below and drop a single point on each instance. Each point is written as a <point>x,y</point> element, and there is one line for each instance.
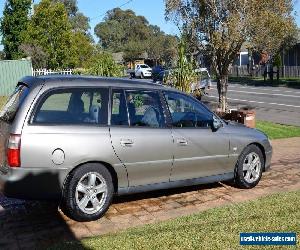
<point>249,167</point>
<point>88,192</point>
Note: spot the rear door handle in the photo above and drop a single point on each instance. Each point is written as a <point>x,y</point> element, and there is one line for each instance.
<point>182,142</point>
<point>126,142</point>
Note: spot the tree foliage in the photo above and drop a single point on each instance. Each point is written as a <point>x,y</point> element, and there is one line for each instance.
<point>38,57</point>
<point>70,5</point>
<point>79,22</point>
<point>50,29</point>
<point>13,22</point>
<point>184,74</point>
<point>103,64</point>
<point>220,27</point>
<point>49,34</point>
<point>124,31</point>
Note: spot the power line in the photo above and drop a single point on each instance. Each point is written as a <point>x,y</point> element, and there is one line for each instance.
<point>129,1</point>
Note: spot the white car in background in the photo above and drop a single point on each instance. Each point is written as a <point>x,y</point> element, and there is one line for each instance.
<point>140,71</point>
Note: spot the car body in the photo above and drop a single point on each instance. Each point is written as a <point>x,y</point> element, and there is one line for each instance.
<point>156,70</point>
<point>141,71</point>
<point>132,136</point>
<point>204,79</point>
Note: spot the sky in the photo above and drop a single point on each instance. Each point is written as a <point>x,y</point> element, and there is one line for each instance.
<point>153,10</point>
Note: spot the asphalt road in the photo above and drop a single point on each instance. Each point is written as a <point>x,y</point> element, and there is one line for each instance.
<point>275,104</point>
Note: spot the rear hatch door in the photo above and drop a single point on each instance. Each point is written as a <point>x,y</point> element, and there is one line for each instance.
<point>7,115</point>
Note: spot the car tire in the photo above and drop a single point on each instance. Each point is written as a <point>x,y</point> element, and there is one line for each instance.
<point>249,167</point>
<point>87,193</point>
<point>142,76</point>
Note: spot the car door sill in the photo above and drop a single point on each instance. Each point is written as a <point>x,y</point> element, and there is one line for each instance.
<point>175,184</point>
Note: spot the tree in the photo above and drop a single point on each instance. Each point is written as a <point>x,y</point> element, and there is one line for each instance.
<point>121,27</point>
<point>38,57</point>
<point>70,5</point>
<point>124,31</point>
<point>82,50</point>
<point>13,22</point>
<point>79,22</point>
<point>50,29</point>
<point>184,74</point>
<point>103,64</point>
<point>220,27</point>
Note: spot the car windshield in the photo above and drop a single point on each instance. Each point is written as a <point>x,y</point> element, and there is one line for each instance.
<point>144,66</point>
<point>9,110</point>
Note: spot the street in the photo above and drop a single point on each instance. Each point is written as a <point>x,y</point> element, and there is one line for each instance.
<point>275,104</point>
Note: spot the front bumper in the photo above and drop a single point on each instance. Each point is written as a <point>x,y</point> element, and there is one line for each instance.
<point>24,183</point>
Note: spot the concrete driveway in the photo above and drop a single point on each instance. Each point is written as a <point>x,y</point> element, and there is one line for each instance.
<point>31,225</point>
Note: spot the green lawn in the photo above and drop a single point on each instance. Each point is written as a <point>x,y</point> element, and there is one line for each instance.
<point>216,228</point>
<point>276,131</point>
<point>3,100</point>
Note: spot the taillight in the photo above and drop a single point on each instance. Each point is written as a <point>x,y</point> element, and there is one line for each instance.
<point>13,151</point>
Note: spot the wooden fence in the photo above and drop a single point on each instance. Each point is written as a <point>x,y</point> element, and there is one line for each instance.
<point>258,71</point>
<point>44,72</point>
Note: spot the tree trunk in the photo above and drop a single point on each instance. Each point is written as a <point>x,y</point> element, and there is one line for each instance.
<point>222,85</point>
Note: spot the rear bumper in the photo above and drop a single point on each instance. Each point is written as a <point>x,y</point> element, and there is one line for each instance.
<point>149,74</point>
<point>42,184</point>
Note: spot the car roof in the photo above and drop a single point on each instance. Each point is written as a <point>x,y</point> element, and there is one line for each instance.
<point>78,80</point>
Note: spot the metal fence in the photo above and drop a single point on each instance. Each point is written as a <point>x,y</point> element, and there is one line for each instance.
<point>11,71</point>
<point>44,72</point>
<point>258,71</point>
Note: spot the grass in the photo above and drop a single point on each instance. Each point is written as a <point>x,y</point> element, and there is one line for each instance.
<point>259,81</point>
<point>216,228</point>
<point>3,100</point>
<point>277,131</point>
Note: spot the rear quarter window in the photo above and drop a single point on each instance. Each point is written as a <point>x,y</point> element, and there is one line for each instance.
<point>73,106</point>
<point>11,107</point>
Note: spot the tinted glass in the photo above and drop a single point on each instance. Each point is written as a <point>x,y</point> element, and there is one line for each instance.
<point>119,115</point>
<point>9,110</point>
<point>75,106</point>
<point>145,109</point>
<point>187,112</point>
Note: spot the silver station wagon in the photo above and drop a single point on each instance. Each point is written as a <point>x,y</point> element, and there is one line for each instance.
<point>82,140</point>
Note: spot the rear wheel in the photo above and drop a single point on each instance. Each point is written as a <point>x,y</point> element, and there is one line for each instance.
<point>88,192</point>
<point>249,167</point>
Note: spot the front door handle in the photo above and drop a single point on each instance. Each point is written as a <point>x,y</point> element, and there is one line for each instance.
<point>182,142</point>
<point>126,142</point>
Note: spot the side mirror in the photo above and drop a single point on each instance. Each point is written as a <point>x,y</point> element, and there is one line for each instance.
<point>217,123</point>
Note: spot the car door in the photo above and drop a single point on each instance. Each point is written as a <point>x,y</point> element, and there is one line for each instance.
<point>139,136</point>
<point>69,126</point>
<point>198,150</point>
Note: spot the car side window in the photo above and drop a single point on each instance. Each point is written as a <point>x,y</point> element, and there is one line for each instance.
<point>187,112</point>
<point>73,106</point>
<point>119,115</point>
<point>145,109</point>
